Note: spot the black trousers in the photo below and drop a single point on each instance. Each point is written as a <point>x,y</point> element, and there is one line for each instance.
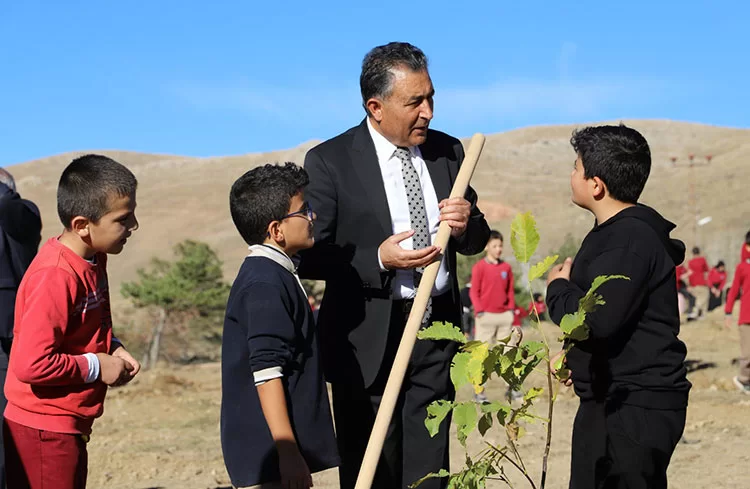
<point>625,447</point>
<point>409,452</point>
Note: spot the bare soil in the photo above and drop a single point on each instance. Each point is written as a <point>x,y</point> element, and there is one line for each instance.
<point>162,430</point>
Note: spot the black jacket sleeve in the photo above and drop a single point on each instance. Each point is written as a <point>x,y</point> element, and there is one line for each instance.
<point>623,298</point>
<point>326,257</point>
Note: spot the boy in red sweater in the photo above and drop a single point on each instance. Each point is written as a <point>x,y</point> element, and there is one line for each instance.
<point>698,267</point>
<point>493,299</point>
<point>64,355</point>
<point>741,283</point>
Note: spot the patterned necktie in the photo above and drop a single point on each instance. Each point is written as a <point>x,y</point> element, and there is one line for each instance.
<point>417,214</point>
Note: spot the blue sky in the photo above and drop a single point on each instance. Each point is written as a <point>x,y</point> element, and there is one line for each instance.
<point>204,78</point>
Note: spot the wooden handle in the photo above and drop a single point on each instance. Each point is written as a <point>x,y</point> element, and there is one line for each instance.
<point>409,337</point>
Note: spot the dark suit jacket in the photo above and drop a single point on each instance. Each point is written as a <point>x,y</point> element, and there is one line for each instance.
<point>347,193</point>
<point>20,234</point>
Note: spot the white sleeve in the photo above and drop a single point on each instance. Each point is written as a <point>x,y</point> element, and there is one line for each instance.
<point>270,373</point>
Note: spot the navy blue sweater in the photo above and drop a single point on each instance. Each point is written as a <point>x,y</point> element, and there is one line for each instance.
<point>269,323</point>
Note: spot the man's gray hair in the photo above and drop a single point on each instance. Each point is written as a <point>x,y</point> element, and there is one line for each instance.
<point>7,179</point>
<point>376,79</point>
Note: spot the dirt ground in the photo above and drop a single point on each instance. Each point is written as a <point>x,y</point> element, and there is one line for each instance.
<point>162,430</point>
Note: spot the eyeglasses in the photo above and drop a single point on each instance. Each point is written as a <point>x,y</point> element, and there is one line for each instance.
<point>305,212</point>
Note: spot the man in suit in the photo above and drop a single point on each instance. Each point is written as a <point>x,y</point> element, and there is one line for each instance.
<point>380,191</point>
<point>20,234</point>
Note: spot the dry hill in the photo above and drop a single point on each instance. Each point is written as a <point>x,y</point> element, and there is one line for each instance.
<point>526,169</point>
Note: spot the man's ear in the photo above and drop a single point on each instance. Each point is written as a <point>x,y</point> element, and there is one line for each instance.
<point>599,188</point>
<point>375,108</point>
<point>80,226</point>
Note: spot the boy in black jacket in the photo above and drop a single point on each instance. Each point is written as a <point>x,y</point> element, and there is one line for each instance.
<point>629,374</point>
<point>276,426</point>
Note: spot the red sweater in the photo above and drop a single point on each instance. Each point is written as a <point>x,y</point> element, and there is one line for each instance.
<point>699,267</point>
<point>492,287</point>
<point>679,272</point>
<point>717,277</point>
<point>741,282</point>
<point>62,311</point>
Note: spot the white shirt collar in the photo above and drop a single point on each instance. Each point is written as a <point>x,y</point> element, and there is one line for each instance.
<point>273,253</point>
<point>384,148</point>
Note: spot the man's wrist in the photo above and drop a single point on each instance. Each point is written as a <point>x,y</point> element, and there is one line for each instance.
<point>380,262</point>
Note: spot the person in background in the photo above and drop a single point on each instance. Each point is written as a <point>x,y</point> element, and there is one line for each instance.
<point>717,279</point>
<point>741,284</point>
<point>467,311</point>
<point>20,235</point>
<point>698,281</point>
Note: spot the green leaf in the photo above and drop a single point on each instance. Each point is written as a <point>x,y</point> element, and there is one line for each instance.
<point>460,369</point>
<point>573,326</point>
<point>524,237</point>
<point>507,360</point>
<point>432,475</point>
<point>465,417</point>
<point>502,410</point>
<point>538,270</point>
<point>533,393</point>
<point>559,363</point>
<point>485,423</point>
<point>532,347</point>
<point>475,366</point>
<point>562,373</point>
<point>436,413</point>
<point>602,279</point>
<point>442,331</point>
<point>470,345</point>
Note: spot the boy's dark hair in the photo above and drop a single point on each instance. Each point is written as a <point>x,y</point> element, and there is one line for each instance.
<point>747,238</point>
<point>618,155</point>
<point>495,235</point>
<point>696,250</point>
<point>88,185</point>
<point>262,195</point>
<point>537,297</point>
<point>720,264</point>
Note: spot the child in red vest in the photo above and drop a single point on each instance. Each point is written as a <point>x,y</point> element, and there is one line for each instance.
<point>64,355</point>
<point>741,284</point>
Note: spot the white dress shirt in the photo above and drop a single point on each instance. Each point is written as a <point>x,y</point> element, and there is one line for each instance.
<point>395,192</point>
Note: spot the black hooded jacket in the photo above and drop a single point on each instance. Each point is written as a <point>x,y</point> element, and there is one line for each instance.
<point>632,355</point>
<point>20,234</point>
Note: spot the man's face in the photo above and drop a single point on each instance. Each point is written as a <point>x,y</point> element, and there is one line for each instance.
<point>404,116</point>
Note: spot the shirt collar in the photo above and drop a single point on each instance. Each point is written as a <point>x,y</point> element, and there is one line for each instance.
<point>384,148</point>
<point>273,253</point>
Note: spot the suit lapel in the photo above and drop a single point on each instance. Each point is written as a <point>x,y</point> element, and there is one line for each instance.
<point>367,168</point>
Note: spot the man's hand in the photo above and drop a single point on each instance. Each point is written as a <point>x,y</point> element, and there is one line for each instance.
<point>113,370</point>
<point>394,257</point>
<point>294,471</point>
<point>121,352</point>
<point>455,212</point>
<point>560,271</point>
<point>567,381</point>
<point>728,322</point>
